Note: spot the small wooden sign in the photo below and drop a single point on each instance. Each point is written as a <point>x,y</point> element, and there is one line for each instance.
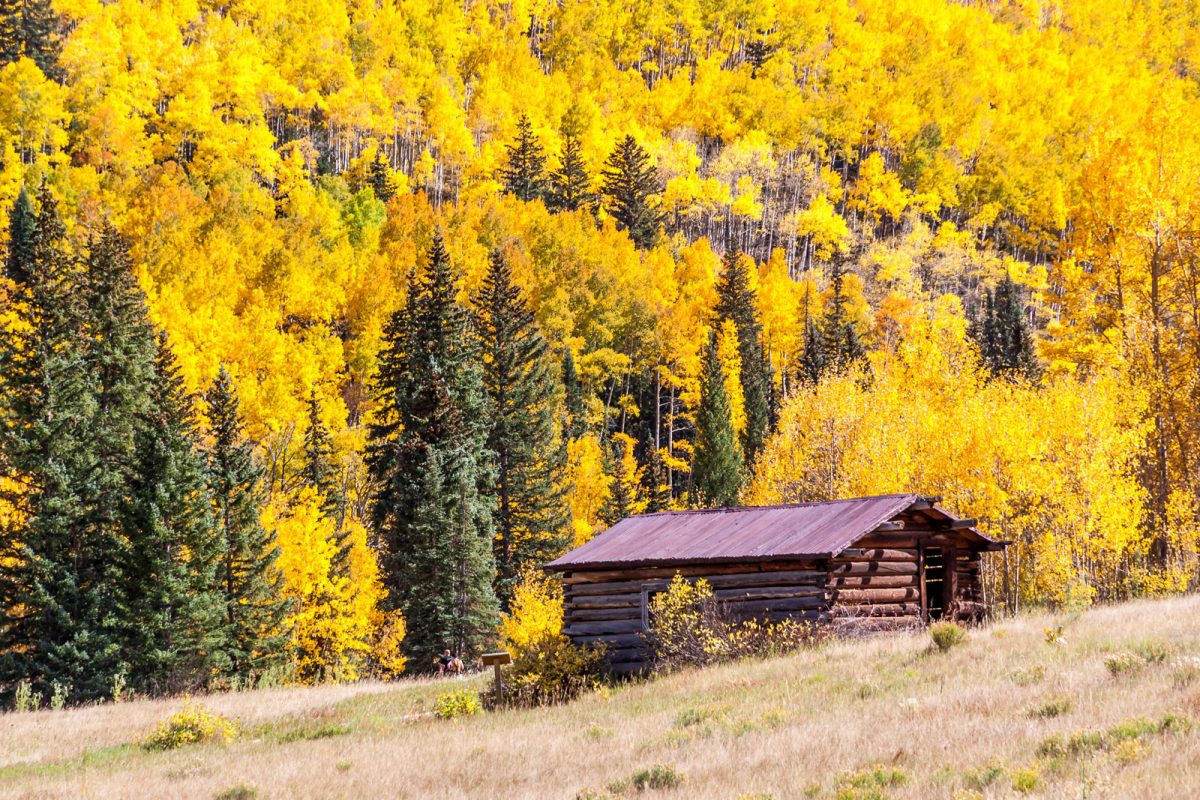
<point>496,659</point>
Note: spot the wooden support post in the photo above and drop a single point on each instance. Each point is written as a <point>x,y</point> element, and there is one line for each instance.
<point>951,583</point>
<point>496,660</point>
<point>921,581</point>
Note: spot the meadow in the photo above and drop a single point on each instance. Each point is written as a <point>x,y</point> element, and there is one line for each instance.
<point>1105,708</point>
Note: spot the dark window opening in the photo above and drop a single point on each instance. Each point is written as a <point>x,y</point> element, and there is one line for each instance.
<point>935,582</point>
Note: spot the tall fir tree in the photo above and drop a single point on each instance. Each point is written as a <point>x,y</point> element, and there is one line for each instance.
<point>429,460</point>
<point>30,29</point>
<point>252,639</point>
<point>171,601</point>
<point>57,587</point>
<point>574,420</point>
<point>658,490</point>
<point>532,519</point>
<point>524,167</point>
<point>569,185</point>
<point>22,233</point>
<point>736,302</point>
<point>839,335</point>
<point>319,470</point>
<point>380,178</point>
<point>1003,334</point>
<point>630,187</point>
<point>717,463</point>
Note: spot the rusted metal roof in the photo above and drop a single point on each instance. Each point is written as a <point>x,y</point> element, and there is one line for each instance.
<point>768,533</point>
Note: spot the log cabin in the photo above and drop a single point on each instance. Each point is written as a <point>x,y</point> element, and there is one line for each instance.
<point>860,565</point>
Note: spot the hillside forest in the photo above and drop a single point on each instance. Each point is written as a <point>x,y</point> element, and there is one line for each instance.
<point>324,323</point>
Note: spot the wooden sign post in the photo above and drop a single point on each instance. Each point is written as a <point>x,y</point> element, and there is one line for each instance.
<point>495,660</point>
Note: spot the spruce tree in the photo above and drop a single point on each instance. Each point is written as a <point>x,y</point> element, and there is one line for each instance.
<point>736,302</point>
<point>717,463</point>
<point>1003,333</point>
<point>842,343</point>
<point>813,359</point>
<point>630,184</point>
<point>531,516</point>
<point>429,460</point>
<point>319,470</point>
<point>569,185</point>
<point>252,611</point>
<point>524,167</point>
<point>22,232</point>
<point>171,602</point>
<point>380,178</point>
<point>30,28</point>
<point>658,491</point>
<point>574,422</point>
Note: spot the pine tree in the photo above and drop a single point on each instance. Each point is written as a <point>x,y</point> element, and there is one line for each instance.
<point>717,464</point>
<point>570,185</point>
<point>736,302</point>
<point>319,470</point>
<point>630,184</point>
<point>21,235</point>
<point>429,460</point>
<point>842,343</point>
<point>531,516</point>
<point>573,424</point>
<point>523,172</point>
<point>812,360</point>
<point>252,613</point>
<point>1003,333</point>
<point>171,602</point>
<point>658,490</point>
<point>380,178</point>
<point>56,589</point>
<point>30,28</point>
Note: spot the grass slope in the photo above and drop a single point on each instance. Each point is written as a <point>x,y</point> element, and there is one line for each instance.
<point>1005,714</point>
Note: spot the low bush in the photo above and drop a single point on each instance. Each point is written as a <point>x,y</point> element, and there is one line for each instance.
<point>1052,708</point>
<point>1123,662</point>
<point>552,670</point>
<point>193,724</point>
<point>652,778</point>
<point>1083,742</point>
<point>690,627</point>
<point>947,635</point>
<point>450,705</point>
<point>1186,671</point>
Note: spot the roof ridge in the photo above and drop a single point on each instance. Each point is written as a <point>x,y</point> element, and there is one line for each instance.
<point>773,507</point>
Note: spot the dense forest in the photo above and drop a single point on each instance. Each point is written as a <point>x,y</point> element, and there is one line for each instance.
<point>323,323</point>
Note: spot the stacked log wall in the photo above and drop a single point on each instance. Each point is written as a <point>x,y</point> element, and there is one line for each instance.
<point>607,605</point>
<point>876,586</point>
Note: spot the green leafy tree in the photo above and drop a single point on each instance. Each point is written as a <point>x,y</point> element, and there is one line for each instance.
<point>630,188</point>
<point>531,518</point>
<point>429,460</point>
<point>736,302</point>
<point>251,637</point>
<point>717,463</point>
<point>524,168</point>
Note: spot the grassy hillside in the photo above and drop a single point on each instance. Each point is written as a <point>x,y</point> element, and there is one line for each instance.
<point>1005,714</point>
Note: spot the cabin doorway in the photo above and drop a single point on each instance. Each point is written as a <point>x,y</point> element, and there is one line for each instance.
<point>934,561</point>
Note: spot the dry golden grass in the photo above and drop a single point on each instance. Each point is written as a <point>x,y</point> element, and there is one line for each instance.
<point>882,718</point>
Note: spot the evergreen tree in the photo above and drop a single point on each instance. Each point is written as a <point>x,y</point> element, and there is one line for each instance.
<point>812,360</point>
<point>736,302</point>
<point>842,344</point>
<point>531,516</point>
<point>380,178</point>
<point>630,183</point>
<point>319,470</point>
<point>717,464</point>
<point>573,426</point>
<point>56,589</point>
<point>22,232</point>
<point>30,28</point>
<point>251,638</point>
<point>171,602</point>
<point>1003,334</point>
<point>523,172</point>
<point>658,494</point>
<point>429,460</point>
<point>569,185</point>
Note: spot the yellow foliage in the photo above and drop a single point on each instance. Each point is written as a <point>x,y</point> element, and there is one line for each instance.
<point>536,613</point>
<point>588,485</point>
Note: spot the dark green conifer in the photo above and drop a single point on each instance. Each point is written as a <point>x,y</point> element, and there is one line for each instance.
<point>531,517</point>
<point>319,470</point>
<point>1003,334</point>
<point>717,463</point>
<point>842,343</point>
<point>658,493</point>
<point>569,184</point>
<point>380,178</point>
<point>736,302</point>
<point>574,423</point>
<point>429,460</point>
<point>252,612</point>
<point>524,168</point>
<point>30,28</point>
<point>22,231</point>
<point>630,186</point>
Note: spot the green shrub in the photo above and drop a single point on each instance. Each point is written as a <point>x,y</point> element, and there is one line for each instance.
<point>947,635</point>
<point>1083,742</point>
<point>58,697</point>
<point>1186,671</point>
<point>551,670</point>
<point>980,779</point>
<point>1026,779</point>
<point>1052,708</point>
<point>659,776</point>
<point>239,792</point>
<point>193,724</point>
<point>1152,651</point>
<point>1123,662</point>
<point>25,698</point>
<point>450,705</point>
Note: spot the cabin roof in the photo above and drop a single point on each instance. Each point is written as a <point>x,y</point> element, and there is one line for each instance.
<point>751,533</point>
